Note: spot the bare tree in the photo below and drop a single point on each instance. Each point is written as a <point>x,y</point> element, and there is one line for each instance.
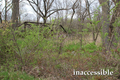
<point>95,30</point>
<point>47,10</point>
<point>81,15</point>
<point>66,4</point>
<point>38,17</point>
<point>74,6</point>
<point>7,7</point>
<point>82,12</point>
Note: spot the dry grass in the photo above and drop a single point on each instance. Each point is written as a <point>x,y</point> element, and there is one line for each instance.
<point>87,39</point>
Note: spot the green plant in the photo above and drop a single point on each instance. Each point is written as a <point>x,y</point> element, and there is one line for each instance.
<point>72,47</point>
<point>90,47</point>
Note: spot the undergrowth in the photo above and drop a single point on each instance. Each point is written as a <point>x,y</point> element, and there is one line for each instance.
<point>33,55</point>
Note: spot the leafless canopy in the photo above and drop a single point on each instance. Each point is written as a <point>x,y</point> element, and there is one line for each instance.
<point>45,8</point>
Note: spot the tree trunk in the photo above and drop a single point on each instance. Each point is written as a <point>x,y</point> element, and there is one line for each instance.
<point>0,18</point>
<point>5,11</point>
<point>38,17</point>
<point>44,20</point>
<point>106,22</point>
<point>15,13</point>
<point>115,30</point>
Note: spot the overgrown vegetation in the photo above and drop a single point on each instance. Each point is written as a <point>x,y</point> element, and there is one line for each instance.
<point>88,41</point>
<point>34,54</point>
